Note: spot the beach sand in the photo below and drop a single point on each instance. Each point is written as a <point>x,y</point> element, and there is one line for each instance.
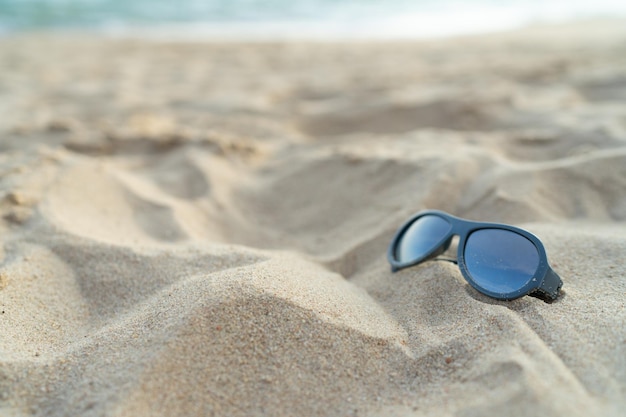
<point>200,228</point>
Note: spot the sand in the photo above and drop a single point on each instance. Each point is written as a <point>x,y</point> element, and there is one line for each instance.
<point>199,228</point>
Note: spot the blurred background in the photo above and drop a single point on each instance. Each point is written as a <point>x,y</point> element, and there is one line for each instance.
<point>295,18</point>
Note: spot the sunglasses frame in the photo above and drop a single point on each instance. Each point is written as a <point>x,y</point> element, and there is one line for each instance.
<point>545,283</point>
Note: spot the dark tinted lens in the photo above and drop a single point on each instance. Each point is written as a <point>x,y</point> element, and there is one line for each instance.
<point>500,260</point>
<point>421,237</point>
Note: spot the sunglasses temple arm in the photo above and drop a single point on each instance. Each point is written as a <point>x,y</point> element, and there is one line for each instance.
<point>549,288</point>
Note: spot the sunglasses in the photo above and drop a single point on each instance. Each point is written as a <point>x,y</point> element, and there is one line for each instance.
<point>499,260</point>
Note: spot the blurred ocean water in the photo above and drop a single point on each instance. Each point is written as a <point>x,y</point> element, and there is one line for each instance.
<point>332,18</point>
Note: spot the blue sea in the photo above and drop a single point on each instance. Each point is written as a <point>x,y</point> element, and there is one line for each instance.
<point>296,18</point>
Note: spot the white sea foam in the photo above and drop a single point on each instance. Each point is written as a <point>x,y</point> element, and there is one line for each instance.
<point>317,19</point>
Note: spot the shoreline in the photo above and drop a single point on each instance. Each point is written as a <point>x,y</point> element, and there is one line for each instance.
<point>260,33</point>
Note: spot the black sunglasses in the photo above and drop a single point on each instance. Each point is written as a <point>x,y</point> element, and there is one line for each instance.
<point>499,260</point>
